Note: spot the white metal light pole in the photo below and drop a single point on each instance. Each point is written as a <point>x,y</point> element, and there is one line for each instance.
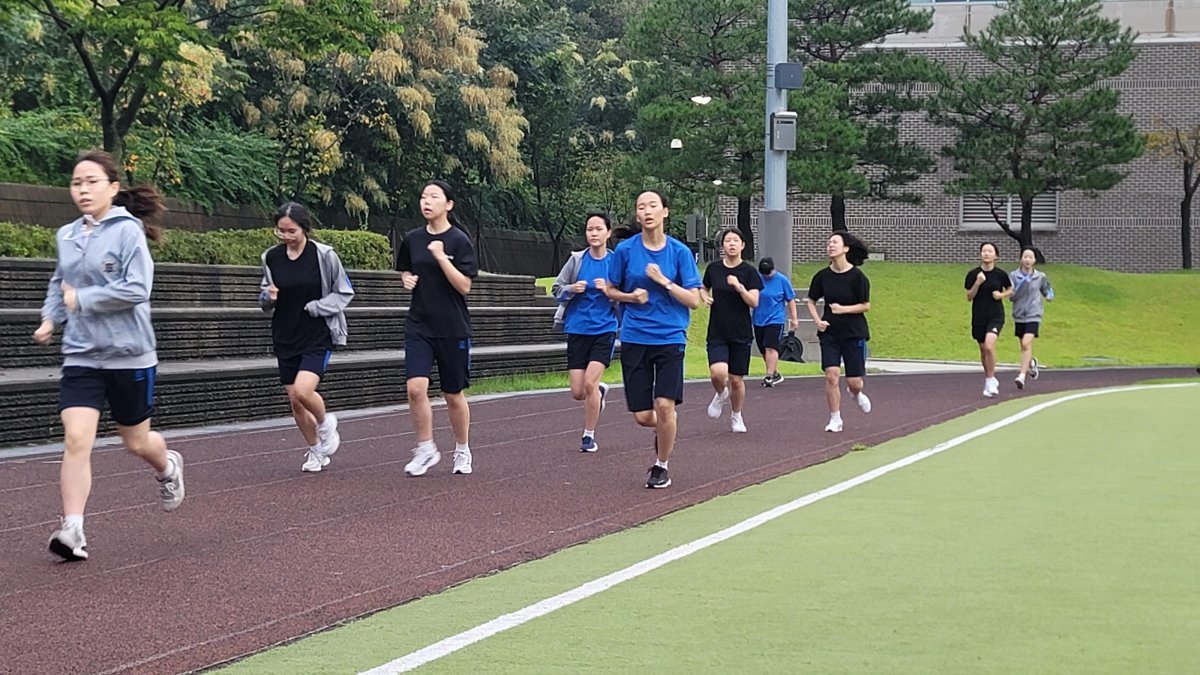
<point>775,222</point>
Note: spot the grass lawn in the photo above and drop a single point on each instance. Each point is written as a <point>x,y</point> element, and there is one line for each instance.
<point>919,311</point>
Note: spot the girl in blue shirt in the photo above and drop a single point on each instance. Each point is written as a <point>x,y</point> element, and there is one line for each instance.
<point>656,279</point>
<point>590,322</point>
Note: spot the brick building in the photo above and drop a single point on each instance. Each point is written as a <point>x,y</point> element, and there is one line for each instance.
<point>1133,227</point>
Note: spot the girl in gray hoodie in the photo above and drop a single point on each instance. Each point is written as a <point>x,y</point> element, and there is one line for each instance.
<point>100,295</point>
<point>1030,286</point>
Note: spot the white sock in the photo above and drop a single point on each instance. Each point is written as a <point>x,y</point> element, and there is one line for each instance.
<point>325,424</point>
<point>315,449</point>
<point>660,463</point>
<point>735,415</point>
<point>428,445</point>
<point>590,433</point>
<point>835,416</point>
<point>462,447</point>
<point>170,471</point>
<point>73,520</point>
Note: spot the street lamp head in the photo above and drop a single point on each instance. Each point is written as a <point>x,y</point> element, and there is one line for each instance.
<point>676,144</point>
<point>701,99</point>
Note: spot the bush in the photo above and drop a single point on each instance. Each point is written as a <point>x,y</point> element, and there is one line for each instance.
<point>358,250</point>
<point>26,241</point>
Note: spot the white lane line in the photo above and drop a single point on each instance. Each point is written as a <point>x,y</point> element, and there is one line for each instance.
<point>504,622</point>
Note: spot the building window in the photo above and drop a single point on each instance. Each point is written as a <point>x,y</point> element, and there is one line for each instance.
<point>976,212</point>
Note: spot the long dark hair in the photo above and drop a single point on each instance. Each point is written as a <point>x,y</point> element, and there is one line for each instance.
<point>297,213</point>
<point>143,201</point>
<point>857,255</point>
<point>452,214</point>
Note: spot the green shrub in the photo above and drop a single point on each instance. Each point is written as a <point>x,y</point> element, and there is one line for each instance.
<point>358,250</point>
<point>26,241</point>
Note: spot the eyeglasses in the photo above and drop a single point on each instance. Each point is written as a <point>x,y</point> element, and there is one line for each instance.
<point>91,182</point>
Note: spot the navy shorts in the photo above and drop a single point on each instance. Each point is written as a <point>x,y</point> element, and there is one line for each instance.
<point>650,372</point>
<point>768,337</point>
<point>129,392</point>
<point>735,354</point>
<point>1024,328</point>
<point>585,349</point>
<point>452,356</point>
<point>852,352</point>
<point>979,331</point>
<point>314,362</point>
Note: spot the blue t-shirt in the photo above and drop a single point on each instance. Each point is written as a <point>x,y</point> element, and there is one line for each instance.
<point>662,320</point>
<point>772,300</point>
<point>591,312</point>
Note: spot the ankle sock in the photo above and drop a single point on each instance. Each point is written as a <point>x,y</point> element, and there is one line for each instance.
<point>660,463</point>
<point>462,447</point>
<point>589,433</point>
<point>73,520</point>
<point>170,470</point>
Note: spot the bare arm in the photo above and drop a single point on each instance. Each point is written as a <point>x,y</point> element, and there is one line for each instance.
<point>812,312</point>
<point>860,308</point>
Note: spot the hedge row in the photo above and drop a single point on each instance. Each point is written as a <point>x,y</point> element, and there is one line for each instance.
<point>358,250</point>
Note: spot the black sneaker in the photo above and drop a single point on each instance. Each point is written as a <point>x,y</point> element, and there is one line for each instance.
<point>588,444</point>
<point>768,382</point>
<point>776,378</point>
<point>658,478</point>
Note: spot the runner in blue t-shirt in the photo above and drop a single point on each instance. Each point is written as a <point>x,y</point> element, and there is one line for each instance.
<point>777,295</point>
<point>656,280</point>
<point>590,322</point>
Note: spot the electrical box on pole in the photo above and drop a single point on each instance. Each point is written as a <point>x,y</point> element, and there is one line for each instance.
<point>789,75</point>
<point>783,130</point>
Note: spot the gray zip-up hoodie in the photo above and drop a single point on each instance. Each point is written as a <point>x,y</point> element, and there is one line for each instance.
<point>1028,291</point>
<point>561,291</point>
<point>112,272</point>
<point>336,292</point>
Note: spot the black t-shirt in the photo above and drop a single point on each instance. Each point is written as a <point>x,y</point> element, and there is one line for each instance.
<point>730,319</point>
<point>984,308</point>
<point>844,288</point>
<point>437,309</point>
<point>293,330</point>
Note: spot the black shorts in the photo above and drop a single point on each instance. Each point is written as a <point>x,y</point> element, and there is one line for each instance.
<point>735,354</point>
<point>452,355</point>
<point>980,330</point>
<point>314,362</point>
<point>1024,328</point>
<point>650,372</point>
<point>850,351</point>
<point>129,392</point>
<point>585,349</point>
<point>768,337</point>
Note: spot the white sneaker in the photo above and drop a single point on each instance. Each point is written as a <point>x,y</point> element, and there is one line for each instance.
<point>69,543</point>
<point>328,435</point>
<point>991,387</point>
<point>1033,368</point>
<point>864,403</point>
<point>422,460</point>
<point>462,461</point>
<point>737,424</point>
<point>718,403</point>
<point>835,425</point>
<point>170,489</point>
<point>315,461</point>
<point>1019,381</point>
<point>603,395</point>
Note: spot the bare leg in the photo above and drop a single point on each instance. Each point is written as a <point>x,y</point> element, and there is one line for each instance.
<point>591,391</point>
<point>1026,352</point>
<point>75,475</point>
<point>718,374</point>
<point>460,417</point>
<point>833,395</point>
<point>771,359</point>
<point>306,422</point>
<point>420,408</point>
<point>664,409</point>
<point>737,392</point>
<point>987,354</point>
<point>855,385</point>
<point>147,444</point>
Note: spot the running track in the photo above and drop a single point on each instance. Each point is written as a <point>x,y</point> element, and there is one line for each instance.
<point>259,553</point>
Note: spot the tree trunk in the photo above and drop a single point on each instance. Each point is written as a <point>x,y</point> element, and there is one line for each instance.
<point>108,125</point>
<point>837,212</point>
<point>1185,214</point>
<point>743,225</point>
<point>1026,237</point>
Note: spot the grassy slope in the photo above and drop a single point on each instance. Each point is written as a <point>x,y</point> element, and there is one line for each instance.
<point>919,311</point>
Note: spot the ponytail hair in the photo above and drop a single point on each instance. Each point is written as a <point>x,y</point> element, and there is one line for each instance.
<point>144,201</point>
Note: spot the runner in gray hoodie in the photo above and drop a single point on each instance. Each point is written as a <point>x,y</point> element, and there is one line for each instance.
<point>100,294</point>
<point>1029,287</point>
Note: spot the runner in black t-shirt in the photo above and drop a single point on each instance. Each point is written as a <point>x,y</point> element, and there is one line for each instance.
<point>730,289</point>
<point>987,287</point>
<point>842,328</point>
<point>305,289</point>
<point>437,263</point>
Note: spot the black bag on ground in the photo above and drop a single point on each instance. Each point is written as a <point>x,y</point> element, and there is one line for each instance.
<point>791,348</point>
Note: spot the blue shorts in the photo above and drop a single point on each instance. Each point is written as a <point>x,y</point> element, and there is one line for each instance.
<point>452,356</point>
<point>585,349</point>
<point>734,354</point>
<point>650,372</point>
<point>851,351</point>
<point>314,362</point>
<point>129,392</point>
